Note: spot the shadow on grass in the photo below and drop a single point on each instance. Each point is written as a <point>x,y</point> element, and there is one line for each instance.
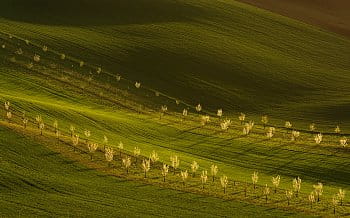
<point>102,12</point>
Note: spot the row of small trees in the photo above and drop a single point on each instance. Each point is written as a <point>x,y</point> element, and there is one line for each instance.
<point>147,163</point>
<point>224,125</point>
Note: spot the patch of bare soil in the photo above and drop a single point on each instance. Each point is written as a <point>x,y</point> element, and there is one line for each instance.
<point>332,15</point>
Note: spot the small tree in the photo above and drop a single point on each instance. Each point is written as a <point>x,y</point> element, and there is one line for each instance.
<point>146,166</point>
<point>204,178</point>
<point>30,65</point>
<point>9,116</point>
<point>241,118</point>
<point>163,110</point>
<point>289,195</point>
<point>214,170</point>
<point>288,125</point>
<point>120,148</point>
<point>175,162</point>
<point>205,120</point>
<point>41,127</point>
<point>224,182</point>
<point>341,196</point>
<point>109,153</point>
<point>335,202</point>
<point>225,125</point>
<point>265,120</point>
<point>87,134</point>
<point>248,128</point>
<point>343,142</point>
<point>255,179</point>
<point>337,129</point>
<point>297,185</point>
<point>154,156</point>
<point>311,198</point>
<point>137,85</point>
<point>199,108</point>
<point>270,132</point>
<point>36,58</point>
<point>165,171</point>
<point>7,105</point>
<point>276,182</point>
<point>25,122</point>
<point>312,127</point>
<point>71,130</point>
<point>55,125</point>
<point>295,135</point>
<point>266,192</point>
<point>75,140</point>
<point>38,120</point>
<point>194,168</point>
<point>318,138</point>
<point>19,51</point>
<point>184,176</point>
<point>92,148</point>
<point>118,77</point>
<point>137,153</point>
<point>184,113</point>
<point>58,133</point>
<point>318,190</point>
<point>219,113</point>
<point>105,141</point>
<point>127,163</point>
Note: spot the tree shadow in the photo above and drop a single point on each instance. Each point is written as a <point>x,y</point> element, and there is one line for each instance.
<point>101,12</point>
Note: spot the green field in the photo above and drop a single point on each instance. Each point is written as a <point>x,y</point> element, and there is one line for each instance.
<point>218,53</point>
<point>36,181</point>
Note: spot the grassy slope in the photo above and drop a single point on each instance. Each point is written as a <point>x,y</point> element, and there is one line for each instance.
<point>236,156</point>
<point>38,182</point>
<point>220,53</point>
<point>167,42</point>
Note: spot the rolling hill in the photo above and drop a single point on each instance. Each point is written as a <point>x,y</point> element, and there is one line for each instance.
<point>35,181</point>
<point>221,54</point>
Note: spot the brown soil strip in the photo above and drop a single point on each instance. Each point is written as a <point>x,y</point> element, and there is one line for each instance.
<point>332,15</point>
